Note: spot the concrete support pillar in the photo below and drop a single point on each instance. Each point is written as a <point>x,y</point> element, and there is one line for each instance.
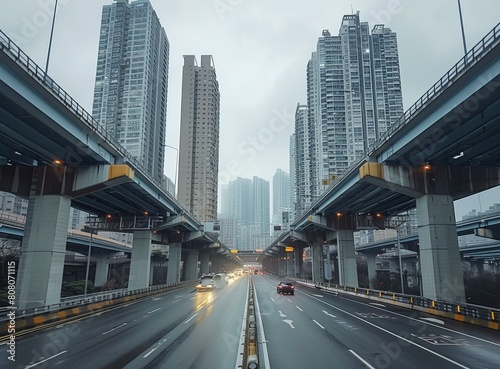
<point>317,262</point>
<point>479,266</point>
<point>216,261</point>
<point>101,269</point>
<point>41,265</point>
<point>348,273</point>
<point>140,262</point>
<point>191,265</point>
<point>204,261</point>
<point>442,277</point>
<point>174,263</point>
<point>372,273</point>
<point>298,262</point>
<point>290,270</point>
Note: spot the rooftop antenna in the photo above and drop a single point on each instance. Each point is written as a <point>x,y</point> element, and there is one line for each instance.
<point>352,11</point>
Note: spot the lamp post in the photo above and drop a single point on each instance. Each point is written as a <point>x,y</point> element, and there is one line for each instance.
<point>50,39</point>
<point>400,261</point>
<point>86,229</point>
<point>176,163</point>
<point>462,27</point>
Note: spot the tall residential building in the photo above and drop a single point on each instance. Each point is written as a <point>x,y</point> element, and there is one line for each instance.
<point>353,96</point>
<point>303,161</point>
<point>199,138</point>
<point>130,94</point>
<point>249,213</point>
<point>261,201</point>
<point>281,197</point>
<point>293,180</point>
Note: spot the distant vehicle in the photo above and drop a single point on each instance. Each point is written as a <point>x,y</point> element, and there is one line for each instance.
<point>286,287</point>
<point>206,282</point>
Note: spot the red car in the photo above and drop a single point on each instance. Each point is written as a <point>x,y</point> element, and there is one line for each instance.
<point>285,287</point>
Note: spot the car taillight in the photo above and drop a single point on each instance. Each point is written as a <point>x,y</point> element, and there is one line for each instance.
<point>292,286</point>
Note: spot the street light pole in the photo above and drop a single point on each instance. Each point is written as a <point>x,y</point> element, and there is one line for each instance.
<point>462,27</point>
<point>400,261</point>
<point>176,163</point>
<point>88,264</point>
<point>50,39</point>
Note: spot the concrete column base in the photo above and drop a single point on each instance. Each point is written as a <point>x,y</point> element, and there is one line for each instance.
<point>140,262</point>
<point>204,261</point>
<point>101,271</point>
<point>174,263</point>
<point>348,272</point>
<point>442,277</point>
<point>317,262</point>
<point>41,265</point>
<point>191,265</point>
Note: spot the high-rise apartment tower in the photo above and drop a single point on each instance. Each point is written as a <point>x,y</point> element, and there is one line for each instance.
<point>353,97</point>
<point>130,94</point>
<point>199,138</point>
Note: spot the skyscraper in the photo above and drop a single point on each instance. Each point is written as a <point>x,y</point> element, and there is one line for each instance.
<point>130,94</point>
<point>303,160</point>
<point>293,176</point>
<point>199,138</point>
<point>261,201</point>
<point>281,197</point>
<point>353,97</point>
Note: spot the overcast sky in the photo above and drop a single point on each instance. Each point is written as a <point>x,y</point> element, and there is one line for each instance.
<point>260,49</point>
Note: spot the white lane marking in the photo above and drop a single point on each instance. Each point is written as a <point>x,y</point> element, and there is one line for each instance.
<point>44,360</point>
<point>431,324</point>
<point>434,320</point>
<point>281,314</point>
<point>318,324</point>
<point>376,304</point>
<point>317,295</point>
<point>288,300</point>
<point>395,335</point>
<point>299,308</point>
<point>112,329</point>
<point>152,311</point>
<point>327,313</point>
<point>150,352</point>
<point>272,299</point>
<point>187,321</point>
<point>288,321</point>
<point>261,330</point>
<point>362,360</point>
<point>156,298</point>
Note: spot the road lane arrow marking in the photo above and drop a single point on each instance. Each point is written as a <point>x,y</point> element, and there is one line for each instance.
<point>281,314</point>
<point>288,321</point>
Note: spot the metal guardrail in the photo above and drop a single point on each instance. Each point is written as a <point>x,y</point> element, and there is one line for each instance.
<point>469,310</point>
<point>73,301</point>
<point>12,219</point>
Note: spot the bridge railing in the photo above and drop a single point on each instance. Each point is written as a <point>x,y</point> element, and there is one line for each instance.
<point>12,219</point>
<point>75,301</point>
<point>470,310</point>
<point>23,60</point>
<point>464,64</point>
